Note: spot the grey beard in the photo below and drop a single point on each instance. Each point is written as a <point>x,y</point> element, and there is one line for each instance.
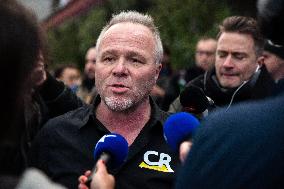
<point>118,105</point>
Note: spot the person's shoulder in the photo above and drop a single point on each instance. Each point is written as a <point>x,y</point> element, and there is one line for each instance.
<point>260,112</point>
<point>34,178</point>
<point>74,118</point>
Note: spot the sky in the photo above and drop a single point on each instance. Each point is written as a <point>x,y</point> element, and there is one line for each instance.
<point>42,8</point>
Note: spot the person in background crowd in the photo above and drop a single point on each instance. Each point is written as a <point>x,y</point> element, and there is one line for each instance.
<point>87,89</point>
<point>274,60</point>
<point>164,92</point>
<point>239,73</point>
<point>204,58</point>
<point>204,61</point>
<point>70,75</point>
<point>129,55</point>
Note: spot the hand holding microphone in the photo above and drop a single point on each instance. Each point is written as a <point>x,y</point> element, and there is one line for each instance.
<point>101,179</point>
<point>110,153</point>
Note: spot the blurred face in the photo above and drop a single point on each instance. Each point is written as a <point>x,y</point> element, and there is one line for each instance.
<point>274,65</point>
<point>125,68</point>
<point>38,75</point>
<point>90,64</point>
<point>70,77</point>
<point>236,59</point>
<point>205,54</point>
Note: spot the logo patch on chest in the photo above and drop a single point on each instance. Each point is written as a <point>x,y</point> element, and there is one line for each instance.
<point>162,165</point>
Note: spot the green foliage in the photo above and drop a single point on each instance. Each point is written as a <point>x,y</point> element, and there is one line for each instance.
<point>181,23</point>
<point>90,27</point>
<point>64,44</point>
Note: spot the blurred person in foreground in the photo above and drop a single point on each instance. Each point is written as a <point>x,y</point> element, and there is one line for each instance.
<point>22,70</point>
<point>239,73</point>
<point>19,63</point>
<point>129,54</point>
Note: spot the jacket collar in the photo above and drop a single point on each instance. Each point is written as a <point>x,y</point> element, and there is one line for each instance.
<point>157,115</point>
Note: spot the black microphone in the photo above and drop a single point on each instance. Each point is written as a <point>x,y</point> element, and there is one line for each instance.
<point>194,100</point>
<point>112,149</point>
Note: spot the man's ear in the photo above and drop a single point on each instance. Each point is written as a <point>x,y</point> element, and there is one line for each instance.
<point>260,60</point>
<point>158,69</point>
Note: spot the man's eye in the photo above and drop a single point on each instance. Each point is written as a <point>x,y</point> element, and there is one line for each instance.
<point>135,60</point>
<point>239,56</point>
<point>222,54</point>
<point>108,59</point>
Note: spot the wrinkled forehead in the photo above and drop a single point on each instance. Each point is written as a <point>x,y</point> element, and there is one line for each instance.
<point>130,38</point>
<point>128,32</point>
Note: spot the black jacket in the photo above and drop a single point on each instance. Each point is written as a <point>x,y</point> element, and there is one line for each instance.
<point>53,98</point>
<point>261,85</point>
<point>239,148</point>
<point>64,148</point>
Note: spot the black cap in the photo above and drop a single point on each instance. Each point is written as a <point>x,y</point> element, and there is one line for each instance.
<point>273,48</point>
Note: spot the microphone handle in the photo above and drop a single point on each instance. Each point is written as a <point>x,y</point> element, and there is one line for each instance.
<point>105,157</point>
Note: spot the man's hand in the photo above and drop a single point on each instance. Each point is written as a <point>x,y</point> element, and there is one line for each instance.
<point>101,180</point>
<point>184,149</point>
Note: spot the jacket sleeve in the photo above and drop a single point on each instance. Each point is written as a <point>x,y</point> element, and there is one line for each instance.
<point>58,97</point>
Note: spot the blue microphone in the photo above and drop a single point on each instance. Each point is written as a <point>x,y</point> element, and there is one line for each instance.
<point>178,128</point>
<point>112,149</point>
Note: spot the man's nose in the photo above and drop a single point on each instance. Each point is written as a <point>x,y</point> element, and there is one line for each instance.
<point>228,61</point>
<point>120,67</point>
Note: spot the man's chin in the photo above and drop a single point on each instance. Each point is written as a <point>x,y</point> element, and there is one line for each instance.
<point>230,85</point>
<point>118,104</point>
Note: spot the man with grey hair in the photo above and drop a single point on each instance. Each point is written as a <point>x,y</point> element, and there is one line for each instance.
<point>129,53</point>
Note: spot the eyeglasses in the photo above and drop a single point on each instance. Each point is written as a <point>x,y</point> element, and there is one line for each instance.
<point>207,53</point>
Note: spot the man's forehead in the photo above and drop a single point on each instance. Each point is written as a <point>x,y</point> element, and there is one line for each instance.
<point>207,42</point>
<point>235,42</point>
<point>91,53</point>
<point>128,35</point>
<point>128,28</point>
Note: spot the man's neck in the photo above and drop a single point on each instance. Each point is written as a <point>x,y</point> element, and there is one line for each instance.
<point>127,123</point>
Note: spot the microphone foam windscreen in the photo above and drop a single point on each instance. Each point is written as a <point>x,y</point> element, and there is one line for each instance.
<point>178,128</point>
<point>194,99</point>
<point>271,19</point>
<point>116,146</point>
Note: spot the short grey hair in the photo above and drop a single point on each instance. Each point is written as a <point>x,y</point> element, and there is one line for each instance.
<point>136,18</point>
